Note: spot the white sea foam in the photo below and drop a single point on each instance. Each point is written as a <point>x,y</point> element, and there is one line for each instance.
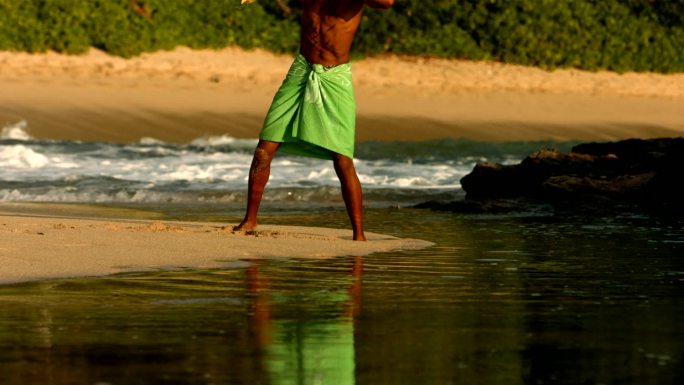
<point>411,182</point>
<point>21,157</point>
<point>224,140</point>
<point>15,131</point>
<point>210,169</point>
<point>150,141</point>
<point>72,195</point>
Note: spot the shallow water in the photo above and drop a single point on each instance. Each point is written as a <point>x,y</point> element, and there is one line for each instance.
<point>498,300</point>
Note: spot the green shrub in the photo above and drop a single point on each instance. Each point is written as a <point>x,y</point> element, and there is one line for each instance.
<point>619,35</point>
<point>20,28</point>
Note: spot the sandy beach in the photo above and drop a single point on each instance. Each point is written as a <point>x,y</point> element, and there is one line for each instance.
<point>181,95</point>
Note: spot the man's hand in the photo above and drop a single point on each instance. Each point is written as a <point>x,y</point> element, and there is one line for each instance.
<point>381,4</point>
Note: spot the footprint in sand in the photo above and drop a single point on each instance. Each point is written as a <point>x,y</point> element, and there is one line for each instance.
<point>161,227</point>
<point>253,233</point>
<point>278,234</point>
<point>62,226</point>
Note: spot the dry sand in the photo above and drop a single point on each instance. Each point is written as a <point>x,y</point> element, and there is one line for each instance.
<point>181,95</point>
<point>40,247</point>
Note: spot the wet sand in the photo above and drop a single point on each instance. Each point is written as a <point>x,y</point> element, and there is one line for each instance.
<point>34,246</point>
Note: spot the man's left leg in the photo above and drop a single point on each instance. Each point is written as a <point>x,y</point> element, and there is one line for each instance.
<point>351,193</point>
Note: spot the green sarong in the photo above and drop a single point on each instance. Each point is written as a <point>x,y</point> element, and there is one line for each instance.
<point>313,113</point>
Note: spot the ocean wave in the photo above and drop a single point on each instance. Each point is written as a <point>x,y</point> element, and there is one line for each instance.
<point>299,197</point>
<point>463,150</point>
<point>216,169</point>
<point>15,131</point>
<point>20,156</point>
<point>149,141</point>
<point>71,195</point>
<point>224,141</point>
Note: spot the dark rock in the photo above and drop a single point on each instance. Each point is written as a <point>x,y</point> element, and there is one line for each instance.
<point>546,163</point>
<point>624,186</point>
<point>634,174</point>
<point>528,177</point>
<point>637,154</point>
<point>486,179</point>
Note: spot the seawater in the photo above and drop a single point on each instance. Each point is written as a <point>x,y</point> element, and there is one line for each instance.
<point>498,300</point>
<point>215,170</point>
<point>524,298</point>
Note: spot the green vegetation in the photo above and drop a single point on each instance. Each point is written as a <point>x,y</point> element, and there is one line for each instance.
<point>619,35</point>
<point>127,28</point>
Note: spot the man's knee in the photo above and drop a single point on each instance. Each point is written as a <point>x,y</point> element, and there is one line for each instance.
<point>262,159</point>
<point>343,161</point>
<point>344,167</point>
<point>266,150</point>
<point>261,154</point>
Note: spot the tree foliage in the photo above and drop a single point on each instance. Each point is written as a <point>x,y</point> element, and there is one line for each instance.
<point>620,35</point>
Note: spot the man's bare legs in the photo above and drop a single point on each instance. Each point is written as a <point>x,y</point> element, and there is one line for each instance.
<point>259,172</point>
<point>351,193</point>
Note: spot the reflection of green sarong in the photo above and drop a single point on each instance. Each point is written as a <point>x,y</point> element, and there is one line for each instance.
<point>313,113</point>
<point>312,353</point>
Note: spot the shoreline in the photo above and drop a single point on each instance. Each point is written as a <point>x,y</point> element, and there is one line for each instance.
<point>181,95</point>
<point>45,246</point>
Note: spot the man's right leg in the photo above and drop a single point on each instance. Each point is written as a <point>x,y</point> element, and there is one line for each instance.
<point>258,176</point>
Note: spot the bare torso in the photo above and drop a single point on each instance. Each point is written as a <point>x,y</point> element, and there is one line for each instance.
<point>328,28</point>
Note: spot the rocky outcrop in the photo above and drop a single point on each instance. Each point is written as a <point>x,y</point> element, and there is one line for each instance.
<point>642,175</point>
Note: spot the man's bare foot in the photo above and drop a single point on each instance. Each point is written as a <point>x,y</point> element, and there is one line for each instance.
<point>245,226</point>
<point>360,237</point>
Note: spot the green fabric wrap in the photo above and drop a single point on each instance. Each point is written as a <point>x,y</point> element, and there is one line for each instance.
<point>314,112</point>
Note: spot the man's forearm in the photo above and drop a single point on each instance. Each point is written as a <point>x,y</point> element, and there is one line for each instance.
<point>382,4</point>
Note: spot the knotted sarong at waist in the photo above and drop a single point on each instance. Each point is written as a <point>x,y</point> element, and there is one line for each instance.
<point>313,113</point>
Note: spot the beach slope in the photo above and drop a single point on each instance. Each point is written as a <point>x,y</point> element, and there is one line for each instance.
<point>42,247</point>
<point>184,94</point>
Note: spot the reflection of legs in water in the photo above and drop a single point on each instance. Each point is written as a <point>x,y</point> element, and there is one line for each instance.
<point>259,173</point>
<point>351,193</point>
<point>259,307</point>
<point>354,307</point>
